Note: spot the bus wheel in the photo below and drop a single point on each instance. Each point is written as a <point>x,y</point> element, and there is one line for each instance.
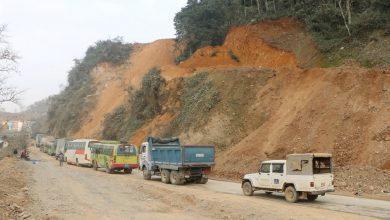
<point>165,176</point>
<point>94,164</point>
<point>128,170</point>
<point>108,169</point>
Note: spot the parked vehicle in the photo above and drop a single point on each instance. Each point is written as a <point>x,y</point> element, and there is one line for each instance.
<point>176,163</point>
<point>51,148</point>
<point>299,176</point>
<point>46,144</point>
<point>78,152</point>
<point>114,157</point>
<point>61,146</point>
<point>38,139</point>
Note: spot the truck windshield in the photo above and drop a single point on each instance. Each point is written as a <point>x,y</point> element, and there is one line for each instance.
<point>322,165</point>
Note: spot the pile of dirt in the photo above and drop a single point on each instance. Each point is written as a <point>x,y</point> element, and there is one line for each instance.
<point>13,191</point>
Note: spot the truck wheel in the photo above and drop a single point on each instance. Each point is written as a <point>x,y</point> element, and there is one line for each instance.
<point>94,164</point>
<point>165,176</point>
<point>312,197</point>
<point>291,194</point>
<point>147,174</point>
<point>247,189</point>
<point>175,178</point>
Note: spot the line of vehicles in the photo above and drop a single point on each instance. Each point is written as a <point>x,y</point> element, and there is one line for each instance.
<point>300,176</point>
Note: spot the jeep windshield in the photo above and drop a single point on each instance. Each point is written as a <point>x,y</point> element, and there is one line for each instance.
<point>322,165</point>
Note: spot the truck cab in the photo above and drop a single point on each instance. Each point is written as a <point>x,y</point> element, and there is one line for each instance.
<point>299,176</point>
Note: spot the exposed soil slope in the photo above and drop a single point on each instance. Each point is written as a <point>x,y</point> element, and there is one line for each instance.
<point>268,105</point>
<point>112,82</point>
<point>273,44</point>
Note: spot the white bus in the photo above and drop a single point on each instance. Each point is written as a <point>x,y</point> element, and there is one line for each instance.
<point>78,152</point>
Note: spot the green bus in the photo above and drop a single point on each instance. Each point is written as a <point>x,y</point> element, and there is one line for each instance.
<point>114,157</point>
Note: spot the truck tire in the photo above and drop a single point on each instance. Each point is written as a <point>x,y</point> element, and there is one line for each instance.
<point>247,189</point>
<point>175,178</point>
<point>291,194</point>
<point>147,174</point>
<point>165,176</point>
<point>312,197</point>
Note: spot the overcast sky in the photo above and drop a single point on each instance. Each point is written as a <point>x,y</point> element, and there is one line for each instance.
<point>49,34</point>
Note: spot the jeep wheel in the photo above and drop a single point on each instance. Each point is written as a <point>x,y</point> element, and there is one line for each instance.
<point>203,180</point>
<point>165,176</point>
<point>247,189</point>
<point>312,197</point>
<point>147,174</point>
<point>291,194</point>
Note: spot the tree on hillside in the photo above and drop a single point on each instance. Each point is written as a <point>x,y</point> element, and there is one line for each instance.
<point>8,64</point>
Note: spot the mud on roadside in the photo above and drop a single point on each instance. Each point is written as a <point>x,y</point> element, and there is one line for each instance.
<point>14,196</point>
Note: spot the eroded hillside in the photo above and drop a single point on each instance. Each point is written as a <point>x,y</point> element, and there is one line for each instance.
<point>258,96</point>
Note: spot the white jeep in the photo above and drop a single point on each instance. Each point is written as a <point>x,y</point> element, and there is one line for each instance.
<point>299,176</point>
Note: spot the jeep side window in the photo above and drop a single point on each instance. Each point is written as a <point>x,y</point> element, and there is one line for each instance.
<point>265,168</point>
<point>277,168</point>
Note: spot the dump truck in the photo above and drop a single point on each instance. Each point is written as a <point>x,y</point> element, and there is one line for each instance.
<point>299,176</point>
<point>176,163</point>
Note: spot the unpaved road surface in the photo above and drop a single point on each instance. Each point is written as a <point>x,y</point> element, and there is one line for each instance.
<point>71,192</point>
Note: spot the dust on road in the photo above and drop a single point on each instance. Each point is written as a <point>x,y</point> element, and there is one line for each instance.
<point>72,192</point>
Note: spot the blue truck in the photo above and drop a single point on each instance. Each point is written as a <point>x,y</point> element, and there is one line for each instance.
<point>176,163</point>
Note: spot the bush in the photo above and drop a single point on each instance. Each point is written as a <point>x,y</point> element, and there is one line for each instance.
<point>145,105</point>
<point>199,96</point>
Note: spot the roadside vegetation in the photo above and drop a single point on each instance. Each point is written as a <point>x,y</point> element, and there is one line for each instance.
<point>341,28</point>
<point>199,97</point>
<point>67,108</point>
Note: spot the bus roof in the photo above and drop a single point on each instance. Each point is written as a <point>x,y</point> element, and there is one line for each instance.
<point>79,140</point>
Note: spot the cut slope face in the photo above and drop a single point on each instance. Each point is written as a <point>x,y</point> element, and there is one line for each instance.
<point>157,54</point>
<point>338,110</point>
<point>112,83</point>
<point>274,44</point>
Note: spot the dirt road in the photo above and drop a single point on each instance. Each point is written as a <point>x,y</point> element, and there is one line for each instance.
<point>72,192</point>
